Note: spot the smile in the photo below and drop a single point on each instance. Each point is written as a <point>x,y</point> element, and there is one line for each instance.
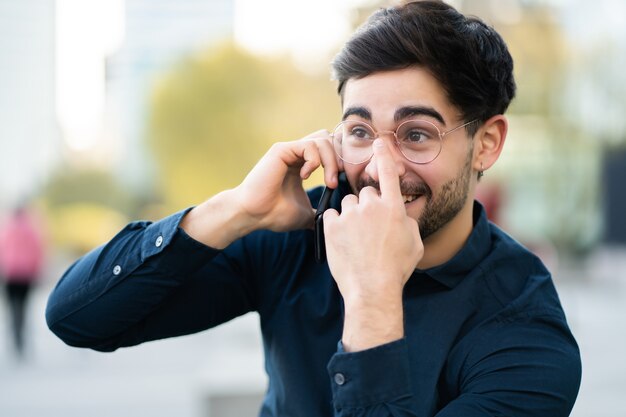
<point>410,197</point>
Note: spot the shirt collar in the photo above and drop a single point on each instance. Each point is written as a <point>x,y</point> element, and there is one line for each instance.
<point>471,254</point>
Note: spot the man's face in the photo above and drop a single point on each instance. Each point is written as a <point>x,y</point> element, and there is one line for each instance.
<point>435,192</point>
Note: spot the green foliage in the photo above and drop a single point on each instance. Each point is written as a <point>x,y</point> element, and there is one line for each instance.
<point>71,186</point>
<point>218,112</point>
<point>84,208</point>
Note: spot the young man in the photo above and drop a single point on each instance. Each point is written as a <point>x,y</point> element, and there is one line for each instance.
<point>423,308</point>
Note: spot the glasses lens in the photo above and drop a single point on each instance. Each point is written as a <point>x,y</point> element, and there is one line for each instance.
<point>419,141</point>
<point>353,141</point>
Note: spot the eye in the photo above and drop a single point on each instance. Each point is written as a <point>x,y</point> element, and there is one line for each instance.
<point>360,132</point>
<point>416,132</point>
<point>415,136</point>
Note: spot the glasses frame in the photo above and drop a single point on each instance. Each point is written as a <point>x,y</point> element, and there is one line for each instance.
<point>378,133</point>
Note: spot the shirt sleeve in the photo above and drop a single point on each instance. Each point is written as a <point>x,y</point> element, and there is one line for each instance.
<point>529,367</point>
<point>526,367</point>
<point>149,282</point>
<point>372,382</point>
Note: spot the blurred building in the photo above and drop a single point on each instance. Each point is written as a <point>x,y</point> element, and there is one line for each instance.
<point>29,137</point>
<point>158,34</point>
<point>571,98</point>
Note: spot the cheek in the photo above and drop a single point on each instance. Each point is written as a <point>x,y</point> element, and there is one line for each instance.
<point>434,175</point>
<point>444,171</point>
<point>353,173</point>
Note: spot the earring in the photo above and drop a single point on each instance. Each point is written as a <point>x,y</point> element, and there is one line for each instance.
<point>481,173</point>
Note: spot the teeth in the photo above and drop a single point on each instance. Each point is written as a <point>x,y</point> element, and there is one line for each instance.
<point>408,198</point>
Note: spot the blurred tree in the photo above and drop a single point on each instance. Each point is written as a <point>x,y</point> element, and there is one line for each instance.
<point>69,186</point>
<point>84,208</point>
<point>560,173</point>
<point>218,112</point>
<point>540,51</point>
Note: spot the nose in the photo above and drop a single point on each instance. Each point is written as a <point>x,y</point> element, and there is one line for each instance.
<point>372,168</point>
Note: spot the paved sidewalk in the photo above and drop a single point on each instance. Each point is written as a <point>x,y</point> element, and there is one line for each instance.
<point>161,379</point>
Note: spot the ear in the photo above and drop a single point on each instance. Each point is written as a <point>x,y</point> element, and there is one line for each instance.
<point>488,142</point>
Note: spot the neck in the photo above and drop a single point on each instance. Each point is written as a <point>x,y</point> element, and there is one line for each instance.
<point>446,242</point>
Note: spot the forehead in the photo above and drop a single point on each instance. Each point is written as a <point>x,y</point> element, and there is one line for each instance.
<point>382,93</point>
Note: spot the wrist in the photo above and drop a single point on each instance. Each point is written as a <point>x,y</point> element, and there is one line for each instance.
<point>218,221</point>
<point>372,321</point>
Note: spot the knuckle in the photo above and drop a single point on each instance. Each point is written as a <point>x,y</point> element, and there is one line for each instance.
<point>278,146</point>
<point>319,134</point>
<point>328,218</point>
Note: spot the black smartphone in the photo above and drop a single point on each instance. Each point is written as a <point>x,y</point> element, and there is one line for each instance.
<point>319,242</point>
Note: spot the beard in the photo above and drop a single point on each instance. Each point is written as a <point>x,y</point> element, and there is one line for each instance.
<point>440,209</point>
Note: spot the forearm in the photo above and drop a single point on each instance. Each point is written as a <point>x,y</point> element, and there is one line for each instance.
<point>114,287</point>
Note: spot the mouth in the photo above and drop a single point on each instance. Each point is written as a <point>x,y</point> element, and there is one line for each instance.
<point>410,197</point>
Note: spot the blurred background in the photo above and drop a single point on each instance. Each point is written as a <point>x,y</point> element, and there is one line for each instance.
<point>114,110</point>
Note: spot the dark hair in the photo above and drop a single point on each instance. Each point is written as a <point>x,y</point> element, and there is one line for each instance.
<point>468,57</point>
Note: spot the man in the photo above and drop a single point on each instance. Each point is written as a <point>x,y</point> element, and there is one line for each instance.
<point>423,308</point>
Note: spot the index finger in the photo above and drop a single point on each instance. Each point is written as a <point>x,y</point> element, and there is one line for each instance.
<point>327,156</point>
<point>387,171</point>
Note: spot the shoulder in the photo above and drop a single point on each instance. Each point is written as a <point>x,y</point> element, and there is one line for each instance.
<point>516,276</point>
<point>522,338</point>
<point>525,291</point>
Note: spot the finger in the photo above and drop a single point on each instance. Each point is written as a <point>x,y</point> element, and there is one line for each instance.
<point>327,155</point>
<point>329,161</point>
<point>368,193</point>
<point>348,202</point>
<point>311,156</point>
<point>330,214</point>
<point>387,171</point>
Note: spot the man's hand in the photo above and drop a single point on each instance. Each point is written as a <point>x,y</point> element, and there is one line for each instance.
<point>270,197</point>
<point>372,249</point>
<point>272,193</point>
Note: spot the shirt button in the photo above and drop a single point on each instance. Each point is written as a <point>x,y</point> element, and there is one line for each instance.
<point>340,379</point>
<point>117,269</point>
<point>159,241</point>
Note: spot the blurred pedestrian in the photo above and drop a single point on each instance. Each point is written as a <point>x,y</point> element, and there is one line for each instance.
<point>21,259</point>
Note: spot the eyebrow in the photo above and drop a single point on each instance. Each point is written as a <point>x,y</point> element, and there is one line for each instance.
<point>362,112</point>
<point>400,114</point>
<point>410,111</point>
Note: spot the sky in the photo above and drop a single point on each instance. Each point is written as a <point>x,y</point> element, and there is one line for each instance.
<point>314,26</point>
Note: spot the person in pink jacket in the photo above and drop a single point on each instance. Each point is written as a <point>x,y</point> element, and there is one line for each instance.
<point>21,260</point>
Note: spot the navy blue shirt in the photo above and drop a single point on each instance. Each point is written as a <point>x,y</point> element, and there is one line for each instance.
<point>485,334</point>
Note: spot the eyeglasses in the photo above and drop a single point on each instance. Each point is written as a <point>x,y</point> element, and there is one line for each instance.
<point>420,141</point>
